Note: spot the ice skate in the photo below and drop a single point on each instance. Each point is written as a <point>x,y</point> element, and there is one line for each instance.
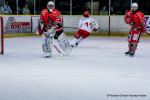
<point>47,55</point>
<point>127,53</point>
<point>73,45</point>
<point>132,53</point>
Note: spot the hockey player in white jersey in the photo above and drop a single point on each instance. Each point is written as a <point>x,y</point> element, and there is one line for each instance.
<point>85,27</point>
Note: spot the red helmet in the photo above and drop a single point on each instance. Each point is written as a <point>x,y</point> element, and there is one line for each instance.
<point>86,14</point>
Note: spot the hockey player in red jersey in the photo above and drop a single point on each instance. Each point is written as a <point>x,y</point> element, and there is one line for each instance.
<point>85,27</point>
<point>136,19</point>
<point>50,26</point>
<point>49,18</point>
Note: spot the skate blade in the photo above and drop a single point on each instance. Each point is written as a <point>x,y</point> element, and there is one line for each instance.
<point>46,57</point>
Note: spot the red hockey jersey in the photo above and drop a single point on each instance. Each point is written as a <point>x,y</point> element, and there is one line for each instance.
<point>137,20</point>
<point>49,19</point>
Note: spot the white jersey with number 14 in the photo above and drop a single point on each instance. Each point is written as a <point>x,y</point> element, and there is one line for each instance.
<point>88,24</point>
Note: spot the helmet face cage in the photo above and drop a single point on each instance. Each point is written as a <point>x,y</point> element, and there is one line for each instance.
<point>134,6</point>
<point>50,5</point>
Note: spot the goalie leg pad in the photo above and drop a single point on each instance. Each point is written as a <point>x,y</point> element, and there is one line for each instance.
<point>47,46</point>
<point>63,43</point>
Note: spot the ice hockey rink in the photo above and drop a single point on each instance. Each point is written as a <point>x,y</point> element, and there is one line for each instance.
<point>96,70</point>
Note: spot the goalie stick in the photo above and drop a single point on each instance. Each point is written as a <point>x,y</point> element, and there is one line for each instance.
<point>71,27</point>
<point>58,49</point>
<point>62,45</point>
<point>99,29</point>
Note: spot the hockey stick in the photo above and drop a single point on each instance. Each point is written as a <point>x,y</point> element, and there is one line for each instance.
<point>71,27</point>
<point>99,29</point>
<point>147,33</point>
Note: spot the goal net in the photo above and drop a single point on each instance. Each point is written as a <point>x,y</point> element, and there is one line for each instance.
<point>1,36</point>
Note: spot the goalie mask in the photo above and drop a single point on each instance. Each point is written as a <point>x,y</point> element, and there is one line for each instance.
<point>50,6</point>
<point>134,6</point>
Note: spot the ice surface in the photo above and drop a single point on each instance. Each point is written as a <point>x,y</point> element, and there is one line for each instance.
<point>97,68</point>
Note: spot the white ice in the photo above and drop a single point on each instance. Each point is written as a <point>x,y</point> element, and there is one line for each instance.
<point>96,70</point>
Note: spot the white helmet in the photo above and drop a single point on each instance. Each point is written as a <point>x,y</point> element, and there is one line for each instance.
<point>134,6</point>
<point>50,6</point>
